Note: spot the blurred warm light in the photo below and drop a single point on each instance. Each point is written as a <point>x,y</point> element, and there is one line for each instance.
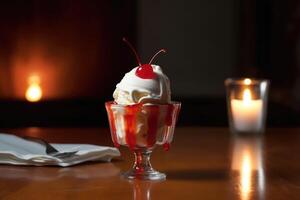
<point>245,175</point>
<point>34,90</point>
<point>247,81</point>
<point>31,60</point>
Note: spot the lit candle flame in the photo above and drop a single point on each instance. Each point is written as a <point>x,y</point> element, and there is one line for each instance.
<point>247,81</point>
<point>247,96</point>
<point>34,91</point>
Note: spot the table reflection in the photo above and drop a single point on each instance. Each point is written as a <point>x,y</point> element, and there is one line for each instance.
<point>247,163</point>
<point>142,189</point>
<point>105,170</point>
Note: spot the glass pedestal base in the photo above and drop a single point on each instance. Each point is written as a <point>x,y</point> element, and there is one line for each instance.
<point>142,168</point>
<point>150,175</point>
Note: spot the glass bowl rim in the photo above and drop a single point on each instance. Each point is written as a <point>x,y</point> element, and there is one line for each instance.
<point>114,104</point>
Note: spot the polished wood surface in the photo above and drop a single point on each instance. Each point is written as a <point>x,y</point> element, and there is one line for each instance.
<point>203,163</point>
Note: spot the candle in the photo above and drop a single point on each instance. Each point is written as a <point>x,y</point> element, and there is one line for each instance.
<point>247,113</point>
<point>247,104</point>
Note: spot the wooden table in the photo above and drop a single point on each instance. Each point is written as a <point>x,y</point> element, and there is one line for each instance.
<point>203,163</point>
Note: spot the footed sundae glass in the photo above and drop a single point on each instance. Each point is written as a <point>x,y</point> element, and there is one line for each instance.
<point>141,127</point>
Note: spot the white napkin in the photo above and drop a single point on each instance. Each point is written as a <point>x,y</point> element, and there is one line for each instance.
<point>18,151</point>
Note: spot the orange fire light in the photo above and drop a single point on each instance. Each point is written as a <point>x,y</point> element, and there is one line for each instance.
<point>34,90</point>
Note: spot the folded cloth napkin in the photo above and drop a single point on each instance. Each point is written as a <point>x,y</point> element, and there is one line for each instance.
<point>18,151</point>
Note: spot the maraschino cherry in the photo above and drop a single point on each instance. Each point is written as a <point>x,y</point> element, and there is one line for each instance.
<point>144,71</point>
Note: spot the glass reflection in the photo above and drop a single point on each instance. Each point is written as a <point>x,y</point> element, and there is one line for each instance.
<point>142,189</point>
<point>247,162</point>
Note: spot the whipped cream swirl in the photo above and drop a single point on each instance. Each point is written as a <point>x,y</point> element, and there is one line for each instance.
<point>133,89</point>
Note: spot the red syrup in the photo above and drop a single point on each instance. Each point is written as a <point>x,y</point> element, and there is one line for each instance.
<point>130,124</point>
<point>169,116</point>
<point>112,125</point>
<point>130,119</point>
<point>170,120</point>
<point>152,125</point>
<point>166,146</point>
<point>130,116</point>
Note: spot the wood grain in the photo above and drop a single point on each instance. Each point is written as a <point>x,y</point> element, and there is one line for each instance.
<point>203,163</point>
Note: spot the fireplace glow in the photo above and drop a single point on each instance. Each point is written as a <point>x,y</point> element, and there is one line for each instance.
<point>34,90</point>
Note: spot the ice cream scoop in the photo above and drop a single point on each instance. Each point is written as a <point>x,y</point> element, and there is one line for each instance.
<point>132,89</point>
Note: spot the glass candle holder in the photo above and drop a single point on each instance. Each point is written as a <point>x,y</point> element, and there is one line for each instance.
<point>247,104</point>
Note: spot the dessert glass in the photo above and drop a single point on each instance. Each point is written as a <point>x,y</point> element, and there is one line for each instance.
<point>141,127</point>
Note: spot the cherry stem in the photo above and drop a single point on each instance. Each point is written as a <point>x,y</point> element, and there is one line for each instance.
<point>160,51</point>
<point>134,51</point>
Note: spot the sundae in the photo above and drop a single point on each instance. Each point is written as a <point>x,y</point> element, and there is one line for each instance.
<point>142,115</point>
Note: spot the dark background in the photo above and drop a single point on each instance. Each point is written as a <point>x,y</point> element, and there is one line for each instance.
<point>75,48</point>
